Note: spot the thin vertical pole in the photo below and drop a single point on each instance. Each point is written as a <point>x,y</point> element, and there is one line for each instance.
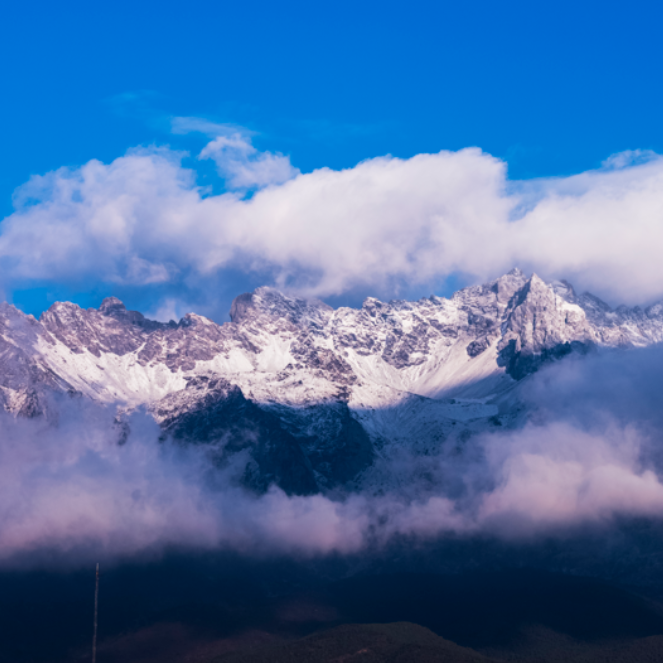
<point>96,611</point>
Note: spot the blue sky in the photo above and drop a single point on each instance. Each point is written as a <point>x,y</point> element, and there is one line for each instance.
<point>552,89</point>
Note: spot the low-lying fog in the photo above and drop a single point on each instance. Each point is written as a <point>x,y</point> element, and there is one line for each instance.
<point>590,456</point>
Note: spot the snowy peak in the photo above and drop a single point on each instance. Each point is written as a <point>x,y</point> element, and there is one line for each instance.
<point>538,319</point>
<point>541,324</point>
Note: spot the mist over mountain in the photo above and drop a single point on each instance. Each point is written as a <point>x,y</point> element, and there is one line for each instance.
<point>331,334</point>
<point>514,410</point>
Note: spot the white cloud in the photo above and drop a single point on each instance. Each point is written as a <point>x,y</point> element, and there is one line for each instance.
<point>71,489</point>
<point>243,167</point>
<point>559,475</point>
<point>141,219</point>
<point>185,125</point>
<point>601,228</point>
<point>240,164</point>
<point>96,222</point>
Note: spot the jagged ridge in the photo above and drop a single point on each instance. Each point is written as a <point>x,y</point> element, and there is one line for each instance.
<point>287,363</point>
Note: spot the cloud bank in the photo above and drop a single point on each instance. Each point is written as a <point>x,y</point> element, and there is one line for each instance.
<point>143,220</point>
<point>588,457</point>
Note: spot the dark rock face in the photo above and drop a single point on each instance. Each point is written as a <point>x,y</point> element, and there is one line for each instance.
<point>241,306</point>
<point>220,415</point>
<point>323,448</point>
<point>336,444</point>
<point>521,364</point>
<point>475,348</point>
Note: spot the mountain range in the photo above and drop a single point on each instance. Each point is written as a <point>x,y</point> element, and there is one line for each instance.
<point>312,398</point>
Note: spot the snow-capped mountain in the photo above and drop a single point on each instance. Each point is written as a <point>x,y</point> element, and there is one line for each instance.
<point>323,391</point>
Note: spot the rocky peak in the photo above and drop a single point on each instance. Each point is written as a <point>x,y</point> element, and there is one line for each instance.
<point>535,292</point>
<point>541,318</point>
<point>506,286</point>
<point>268,303</point>
<point>111,306</point>
<point>61,310</point>
<point>62,316</point>
<point>494,295</point>
<point>194,320</point>
<point>10,316</point>
<point>110,329</point>
<point>372,306</point>
<point>240,309</point>
<point>540,323</point>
